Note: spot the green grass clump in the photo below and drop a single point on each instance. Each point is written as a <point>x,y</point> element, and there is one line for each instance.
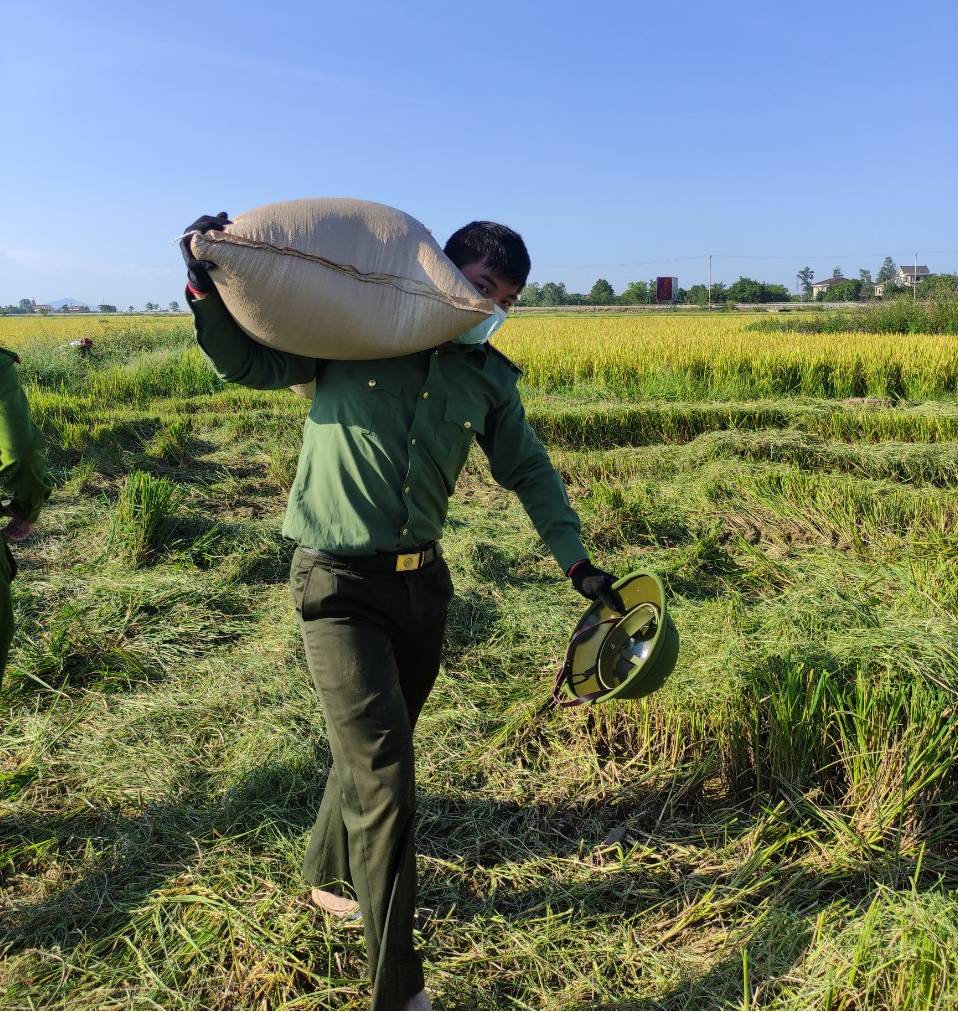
<point>142,512</point>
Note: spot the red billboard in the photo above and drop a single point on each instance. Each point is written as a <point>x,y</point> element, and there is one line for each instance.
<point>666,289</point>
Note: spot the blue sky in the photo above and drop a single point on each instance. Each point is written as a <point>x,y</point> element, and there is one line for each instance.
<point>623,139</point>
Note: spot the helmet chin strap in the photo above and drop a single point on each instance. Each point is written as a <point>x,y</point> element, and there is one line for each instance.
<point>565,670</point>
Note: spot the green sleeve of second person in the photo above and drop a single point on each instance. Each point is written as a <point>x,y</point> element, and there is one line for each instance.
<point>21,446</point>
<point>237,358</point>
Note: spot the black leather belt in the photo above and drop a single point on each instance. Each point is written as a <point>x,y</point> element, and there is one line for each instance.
<point>395,562</point>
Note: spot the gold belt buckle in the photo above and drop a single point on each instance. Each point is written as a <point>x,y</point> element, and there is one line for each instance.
<point>412,560</point>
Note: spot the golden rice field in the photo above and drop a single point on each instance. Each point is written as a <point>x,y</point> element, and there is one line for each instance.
<point>50,329</point>
<point>717,339</point>
<point>719,349</point>
<point>631,353</point>
<point>21,333</point>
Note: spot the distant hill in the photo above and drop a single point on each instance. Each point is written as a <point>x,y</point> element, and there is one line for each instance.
<point>60,303</point>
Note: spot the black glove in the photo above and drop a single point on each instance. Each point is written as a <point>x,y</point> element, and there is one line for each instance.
<point>595,583</point>
<point>198,271</point>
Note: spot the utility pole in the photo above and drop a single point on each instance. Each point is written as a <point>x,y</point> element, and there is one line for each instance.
<point>710,282</point>
<point>914,282</point>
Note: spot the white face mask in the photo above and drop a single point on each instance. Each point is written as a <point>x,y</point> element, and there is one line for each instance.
<point>485,330</point>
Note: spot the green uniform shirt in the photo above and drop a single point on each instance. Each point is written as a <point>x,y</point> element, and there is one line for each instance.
<point>385,440</point>
<point>21,445</point>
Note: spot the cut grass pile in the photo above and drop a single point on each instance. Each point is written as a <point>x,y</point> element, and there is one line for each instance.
<point>775,828</point>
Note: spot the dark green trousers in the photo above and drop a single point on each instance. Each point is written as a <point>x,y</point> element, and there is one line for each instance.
<point>8,569</point>
<point>373,644</point>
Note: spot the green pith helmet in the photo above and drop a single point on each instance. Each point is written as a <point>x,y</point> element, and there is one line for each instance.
<point>626,656</point>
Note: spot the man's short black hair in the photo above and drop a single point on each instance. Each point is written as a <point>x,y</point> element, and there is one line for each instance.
<point>497,246</point>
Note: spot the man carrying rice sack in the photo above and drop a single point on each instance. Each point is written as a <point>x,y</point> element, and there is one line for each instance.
<point>21,476</point>
<point>383,445</point>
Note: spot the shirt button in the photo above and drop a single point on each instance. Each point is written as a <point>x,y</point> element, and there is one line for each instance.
<point>372,383</point>
<point>405,531</point>
<point>425,395</point>
<point>467,425</point>
<point>407,489</point>
<point>412,441</point>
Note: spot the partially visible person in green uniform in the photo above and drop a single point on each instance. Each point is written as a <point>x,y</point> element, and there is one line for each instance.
<point>383,445</point>
<point>21,477</point>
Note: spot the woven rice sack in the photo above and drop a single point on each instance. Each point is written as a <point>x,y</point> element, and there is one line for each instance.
<point>338,278</point>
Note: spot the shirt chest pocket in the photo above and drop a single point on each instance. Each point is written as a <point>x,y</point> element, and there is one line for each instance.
<point>363,399</point>
<point>382,401</point>
<point>462,422</point>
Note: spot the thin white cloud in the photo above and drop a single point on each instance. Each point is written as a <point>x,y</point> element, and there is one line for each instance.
<point>25,256</point>
<point>36,258</point>
<point>188,54</point>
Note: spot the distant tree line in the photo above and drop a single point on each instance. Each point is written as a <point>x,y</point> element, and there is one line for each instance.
<point>850,289</point>
<point>26,307</point>
<point>863,288</point>
<point>637,293</point>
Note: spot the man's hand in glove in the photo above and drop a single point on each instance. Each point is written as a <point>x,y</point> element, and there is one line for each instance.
<point>198,271</point>
<point>595,584</point>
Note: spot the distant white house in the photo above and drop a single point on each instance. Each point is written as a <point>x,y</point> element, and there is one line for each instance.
<point>40,307</point>
<point>823,286</point>
<point>906,277</point>
<point>910,275</point>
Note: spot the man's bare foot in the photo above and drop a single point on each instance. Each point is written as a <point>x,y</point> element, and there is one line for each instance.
<point>336,906</point>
